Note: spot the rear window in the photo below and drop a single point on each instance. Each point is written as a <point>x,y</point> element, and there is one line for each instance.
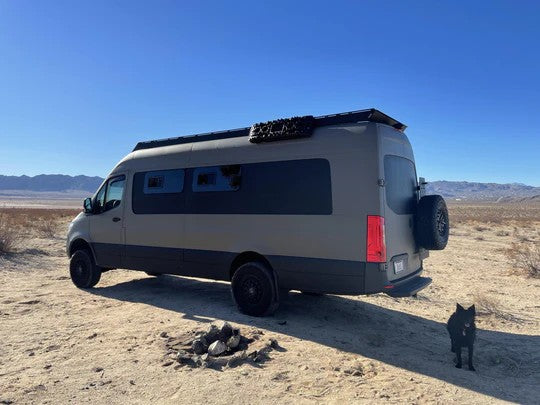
<point>400,184</point>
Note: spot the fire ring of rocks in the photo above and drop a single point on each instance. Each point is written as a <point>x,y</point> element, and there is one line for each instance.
<point>218,347</point>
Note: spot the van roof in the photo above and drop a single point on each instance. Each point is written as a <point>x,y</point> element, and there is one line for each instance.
<point>371,115</point>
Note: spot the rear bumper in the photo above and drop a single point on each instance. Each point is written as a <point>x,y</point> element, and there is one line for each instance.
<point>376,281</point>
<point>407,288</point>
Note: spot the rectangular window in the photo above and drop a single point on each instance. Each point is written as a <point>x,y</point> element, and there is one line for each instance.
<point>291,187</point>
<point>164,181</point>
<point>400,184</point>
<point>217,178</point>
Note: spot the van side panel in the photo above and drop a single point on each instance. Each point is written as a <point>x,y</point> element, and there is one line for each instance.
<point>323,251</point>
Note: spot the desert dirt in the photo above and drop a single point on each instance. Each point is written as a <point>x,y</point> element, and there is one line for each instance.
<point>60,344</point>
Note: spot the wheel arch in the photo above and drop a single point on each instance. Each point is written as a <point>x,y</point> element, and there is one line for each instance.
<point>80,244</point>
<point>246,257</point>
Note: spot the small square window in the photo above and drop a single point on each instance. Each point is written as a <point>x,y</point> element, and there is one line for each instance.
<point>155,182</point>
<point>163,181</point>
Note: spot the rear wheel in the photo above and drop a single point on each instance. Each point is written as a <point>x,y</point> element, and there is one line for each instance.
<point>432,224</point>
<point>254,289</point>
<point>84,272</point>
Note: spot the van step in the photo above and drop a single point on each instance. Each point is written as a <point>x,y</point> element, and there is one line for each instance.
<point>408,288</point>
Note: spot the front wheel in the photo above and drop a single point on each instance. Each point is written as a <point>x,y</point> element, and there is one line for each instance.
<point>254,289</point>
<point>84,272</point>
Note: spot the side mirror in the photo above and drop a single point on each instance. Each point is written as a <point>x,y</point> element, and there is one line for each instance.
<point>88,209</point>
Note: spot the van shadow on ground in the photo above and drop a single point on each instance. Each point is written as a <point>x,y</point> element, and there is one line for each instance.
<point>508,364</point>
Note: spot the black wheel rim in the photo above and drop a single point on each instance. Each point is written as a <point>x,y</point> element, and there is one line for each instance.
<point>442,223</point>
<point>80,271</point>
<point>251,290</point>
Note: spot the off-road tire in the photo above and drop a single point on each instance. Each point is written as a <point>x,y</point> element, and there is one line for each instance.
<point>254,289</point>
<point>82,269</point>
<point>432,223</point>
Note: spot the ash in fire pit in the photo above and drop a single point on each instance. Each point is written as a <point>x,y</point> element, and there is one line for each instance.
<point>218,347</point>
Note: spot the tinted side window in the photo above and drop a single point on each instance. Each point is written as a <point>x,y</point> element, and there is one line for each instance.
<point>292,187</point>
<point>115,189</point>
<point>164,181</point>
<point>400,184</point>
<point>158,192</point>
<point>217,178</point>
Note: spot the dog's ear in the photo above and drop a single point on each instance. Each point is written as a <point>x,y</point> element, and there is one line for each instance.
<point>472,309</point>
<point>459,308</point>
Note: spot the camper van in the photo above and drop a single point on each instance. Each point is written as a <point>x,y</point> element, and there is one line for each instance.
<point>323,205</point>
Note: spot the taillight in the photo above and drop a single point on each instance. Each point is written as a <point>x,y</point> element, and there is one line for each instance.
<point>376,245</point>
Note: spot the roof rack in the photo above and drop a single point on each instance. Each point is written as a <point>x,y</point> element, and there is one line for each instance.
<point>371,115</point>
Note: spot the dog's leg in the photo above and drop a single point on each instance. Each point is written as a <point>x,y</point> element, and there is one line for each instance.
<point>470,357</point>
<point>458,356</point>
<point>452,346</point>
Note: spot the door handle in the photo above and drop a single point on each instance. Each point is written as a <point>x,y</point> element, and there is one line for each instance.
<point>116,219</point>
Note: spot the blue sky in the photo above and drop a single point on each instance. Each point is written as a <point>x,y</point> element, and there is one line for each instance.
<point>82,82</point>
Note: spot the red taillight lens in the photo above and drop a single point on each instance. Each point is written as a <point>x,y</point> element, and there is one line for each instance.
<point>376,245</point>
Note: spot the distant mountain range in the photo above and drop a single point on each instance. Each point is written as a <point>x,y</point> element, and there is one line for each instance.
<point>50,183</point>
<point>59,184</point>
<point>465,190</point>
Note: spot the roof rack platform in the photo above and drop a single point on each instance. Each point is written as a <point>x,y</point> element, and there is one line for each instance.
<point>370,115</point>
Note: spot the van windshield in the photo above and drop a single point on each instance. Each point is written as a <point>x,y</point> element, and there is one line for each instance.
<point>400,184</point>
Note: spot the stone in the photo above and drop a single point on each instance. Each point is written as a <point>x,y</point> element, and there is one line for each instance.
<point>236,359</point>
<point>199,346</point>
<point>225,332</point>
<point>212,334</point>
<point>217,348</point>
<point>273,343</point>
<point>233,341</point>
<point>183,357</point>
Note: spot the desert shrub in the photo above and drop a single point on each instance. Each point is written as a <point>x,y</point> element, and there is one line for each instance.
<point>487,306</point>
<point>480,238</point>
<point>525,258</point>
<point>47,227</point>
<point>503,233</point>
<point>9,235</point>
<point>481,228</point>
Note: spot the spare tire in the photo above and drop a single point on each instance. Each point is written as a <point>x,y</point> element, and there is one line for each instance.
<point>432,224</point>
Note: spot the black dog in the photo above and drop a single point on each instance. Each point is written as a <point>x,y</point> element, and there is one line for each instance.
<point>462,332</point>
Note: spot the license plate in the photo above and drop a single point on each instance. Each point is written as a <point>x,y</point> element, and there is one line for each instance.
<point>398,266</point>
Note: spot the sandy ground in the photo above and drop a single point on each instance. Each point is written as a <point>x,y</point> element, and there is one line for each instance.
<point>59,344</point>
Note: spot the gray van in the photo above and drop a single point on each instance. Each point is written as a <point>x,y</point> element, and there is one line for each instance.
<point>324,205</point>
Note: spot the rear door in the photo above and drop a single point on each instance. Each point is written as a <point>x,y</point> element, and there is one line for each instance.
<point>401,195</point>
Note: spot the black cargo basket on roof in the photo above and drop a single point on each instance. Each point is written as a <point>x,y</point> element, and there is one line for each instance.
<point>277,130</point>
